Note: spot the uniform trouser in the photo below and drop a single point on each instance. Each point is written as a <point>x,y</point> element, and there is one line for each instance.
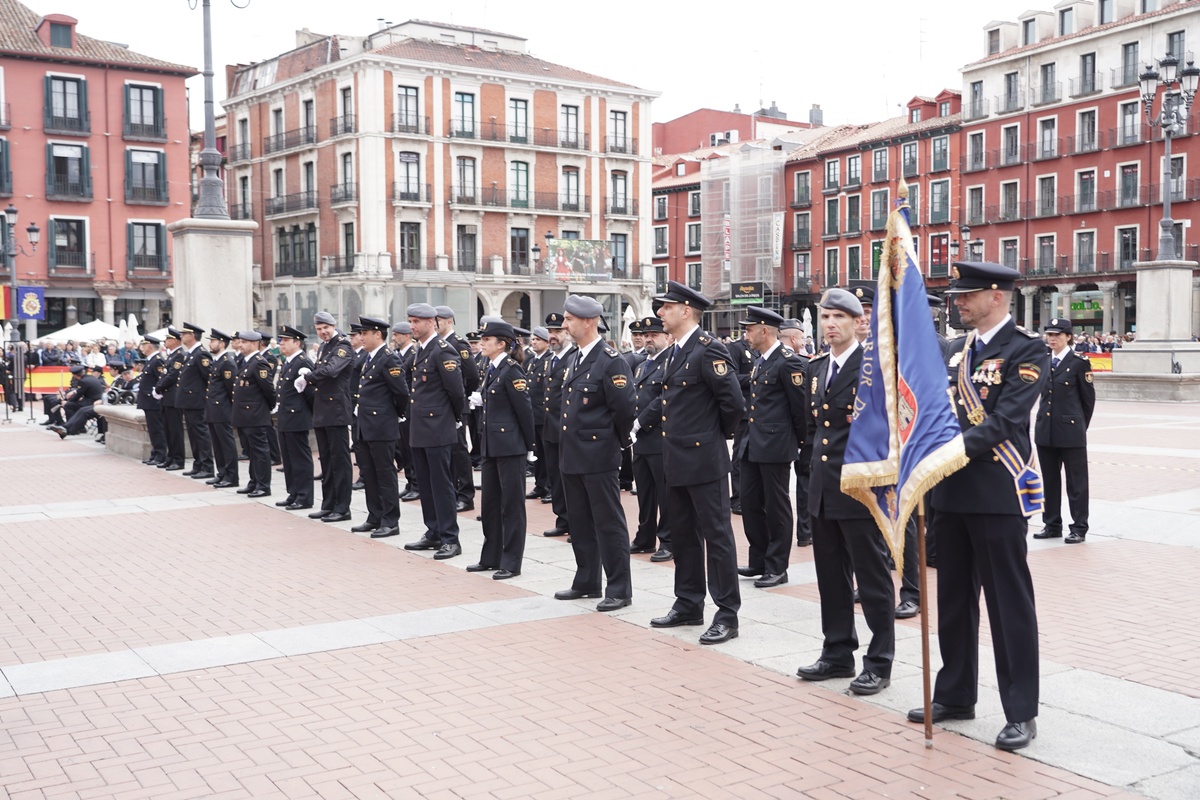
<point>78,421</point>
<point>297,466</point>
<point>803,466</point>
<point>333,448</point>
<point>404,457</point>
<point>1053,460</point>
<point>376,467</point>
<point>503,511</point>
<point>703,537</point>
<point>173,423</point>
<point>273,446</point>
<point>767,515</point>
<point>54,416</point>
<point>225,454</point>
<point>260,457</point>
<point>463,475</point>
<point>988,551</point>
<point>471,423</point>
<point>735,473</point>
<point>842,547</point>
<point>435,482</point>
<point>540,484</point>
<point>626,474</point>
<point>652,501</point>
<point>157,432</point>
<point>241,437</point>
<point>197,432</point>
<point>599,533</point>
<point>558,498</point>
<point>910,586</point>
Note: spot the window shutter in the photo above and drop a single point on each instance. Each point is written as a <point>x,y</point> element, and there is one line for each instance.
<point>128,175</point>
<point>49,112</point>
<point>52,224</point>
<point>49,169</point>
<point>128,109</point>
<point>160,121</point>
<point>160,177</point>
<point>129,246</point>
<point>85,171</point>
<point>161,235</point>
<point>84,116</point>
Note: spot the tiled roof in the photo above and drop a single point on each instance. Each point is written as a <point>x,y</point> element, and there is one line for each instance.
<point>491,60</point>
<point>18,25</point>
<point>888,129</point>
<point>671,180</point>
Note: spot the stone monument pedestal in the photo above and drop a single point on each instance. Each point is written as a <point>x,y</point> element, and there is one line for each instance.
<point>214,273</point>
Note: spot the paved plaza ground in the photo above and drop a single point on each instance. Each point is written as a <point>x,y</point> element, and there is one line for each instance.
<point>162,639</point>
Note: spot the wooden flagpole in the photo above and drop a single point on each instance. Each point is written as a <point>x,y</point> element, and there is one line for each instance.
<point>923,584</point>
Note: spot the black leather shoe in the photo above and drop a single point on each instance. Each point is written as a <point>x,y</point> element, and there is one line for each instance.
<point>674,619</point>
<point>869,683</point>
<point>448,551</point>
<point>663,554</point>
<point>214,481</point>
<point>574,594</point>
<point>857,599</point>
<point>749,572</point>
<point>533,494</point>
<point>804,542</point>
<point>479,568</point>
<point>767,581</point>
<point>358,486</point>
<point>224,485</point>
<point>638,551</point>
<point>410,495</point>
<point>245,490</point>
<point>554,532</point>
<point>333,516</point>
<point>941,712</point>
<point>718,632</point>
<point>1076,538</point>
<point>173,467</point>
<point>260,493</point>
<point>613,603</point>
<point>822,671</point>
<point>423,543</point>
<point>736,509</point>
<point>190,472</point>
<point>1046,533</point>
<point>364,527</point>
<point>297,506</point>
<point>547,499</point>
<point>383,533</point>
<point>504,574</point>
<point>199,475</point>
<point>1017,735</point>
<point>283,503</point>
<point>461,506</point>
<point>907,610</point>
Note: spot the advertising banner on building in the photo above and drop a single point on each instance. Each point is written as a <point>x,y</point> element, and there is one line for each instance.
<point>750,293</point>
<point>777,240</point>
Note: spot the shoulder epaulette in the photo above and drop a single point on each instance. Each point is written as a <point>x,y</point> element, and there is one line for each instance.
<point>787,351</point>
<point>705,339</point>
<point>444,343</point>
<point>611,351</point>
<point>1028,332</point>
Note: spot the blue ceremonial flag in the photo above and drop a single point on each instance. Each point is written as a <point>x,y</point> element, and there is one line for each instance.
<point>905,436</point>
<point>31,302</point>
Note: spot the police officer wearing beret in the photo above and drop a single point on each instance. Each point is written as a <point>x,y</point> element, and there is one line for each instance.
<point>506,440</point>
<point>536,367</point>
<point>1060,432</point>
<point>996,373</point>
<point>775,428</point>
<point>253,398</point>
<point>437,402</point>
<point>382,397</point>
<point>597,416</point>
<point>294,420</point>
<point>561,352</point>
<point>218,410</point>
<point>153,368</point>
<point>190,398</point>
<point>845,537</point>
<point>654,527</point>
<point>701,406</point>
<point>165,390</point>
<point>330,378</point>
<point>464,479</point>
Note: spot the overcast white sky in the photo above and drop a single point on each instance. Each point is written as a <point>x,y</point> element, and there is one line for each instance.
<point>861,61</point>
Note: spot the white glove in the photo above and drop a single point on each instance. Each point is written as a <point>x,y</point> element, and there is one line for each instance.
<point>476,400</point>
<point>304,371</point>
<point>530,457</point>
<point>403,420</point>
<point>275,410</point>
<point>458,424</point>
<point>356,411</point>
<point>633,435</point>
<point>300,383</point>
<point>637,425</point>
<point>154,393</point>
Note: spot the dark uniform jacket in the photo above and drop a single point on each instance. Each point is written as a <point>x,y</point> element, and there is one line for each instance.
<point>647,405</point>
<point>552,430</point>
<point>778,415</point>
<point>90,390</point>
<point>438,397</point>
<point>193,378</point>
<point>254,393</point>
<point>360,358</point>
<point>829,429</point>
<point>597,412</point>
<point>1068,399</point>
<point>152,372</point>
<point>1010,371</point>
<point>222,375</point>
<point>742,358</point>
<point>169,382</point>
<point>506,419</point>
<point>470,372</point>
<point>536,368</point>
<point>295,408</point>
<point>331,378</point>
<point>382,397</point>
<point>701,406</point>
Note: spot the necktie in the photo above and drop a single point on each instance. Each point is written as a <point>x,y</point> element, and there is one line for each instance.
<point>1054,363</point>
<point>832,376</point>
<point>491,371</point>
<point>554,362</point>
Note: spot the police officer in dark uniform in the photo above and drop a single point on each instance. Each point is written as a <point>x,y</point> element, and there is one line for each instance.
<point>294,419</point>
<point>845,537</point>
<point>506,425</point>
<point>272,359</point>
<point>561,353</point>
<point>437,401</point>
<point>190,392</point>
<point>791,333</point>
<point>153,368</point>
<point>405,351</point>
<point>997,372</point>
<point>632,358</point>
<point>330,378</point>
<point>218,410</point>
<point>742,357</point>
<point>1060,432</point>
<point>654,529</point>
<point>470,417</point>
<point>165,390</point>
<point>253,398</point>
<point>701,407</point>
<point>597,416</point>
<point>360,358</point>
<point>464,478</point>
<point>89,391</point>
<point>382,397</point>
<point>535,367</point>
<point>768,448</point>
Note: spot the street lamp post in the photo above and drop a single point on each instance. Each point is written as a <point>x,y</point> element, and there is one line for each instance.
<point>211,203</point>
<point>11,250</point>
<point>1172,118</point>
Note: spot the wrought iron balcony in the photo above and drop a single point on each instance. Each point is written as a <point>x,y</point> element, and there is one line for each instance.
<point>157,262</point>
<point>1046,93</point>
<point>1084,143</point>
<point>976,109</point>
<point>802,239</point>
<point>802,200</point>
<point>1125,75</point>
<point>410,123</point>
<point>909,168</point>
<point>626,145</point>
<point>60,186</point>
<point>339,265</point>
<point>241,211</point>
<point>305,268</point>
<point>239,152</point>
<point>289,139</point>
<point>1047,148</point>
<point>70,259</point>
<point>941,163</point>
<point>76,124</point>
<point>153,131</point>
<point>1126,135</point>
<point>406,192</point>
<point>621,206</point>
<point>343,193</point>
<point>1087,84</point>
<point>145,194</point>
<point>340,126</point>
<point>1009,102</point>
<point>853,225</point>
<point>974,162</point>
<point>289,203</point>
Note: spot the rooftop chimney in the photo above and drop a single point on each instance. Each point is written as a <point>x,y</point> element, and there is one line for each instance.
<point>816,117</point>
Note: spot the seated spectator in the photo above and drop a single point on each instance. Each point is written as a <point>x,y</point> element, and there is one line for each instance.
<point>70,355</point>
<point>52,355</point>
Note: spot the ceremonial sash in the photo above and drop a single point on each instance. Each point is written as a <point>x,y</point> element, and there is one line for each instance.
<point>1025,475</point>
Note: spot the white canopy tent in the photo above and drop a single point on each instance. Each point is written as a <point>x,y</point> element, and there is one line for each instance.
<point>86,332</point>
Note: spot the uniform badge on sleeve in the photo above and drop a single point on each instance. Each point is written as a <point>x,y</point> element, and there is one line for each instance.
<point>797,379</point>
<point>1087,376</point>
<point>1029,372</point>
<point>465,353</point>
<point>450,365</point>
<point>342,352</point>
<point>262,373</point>
<point>620,381</point>
<point>395,372</point>
<point>519,384</point>
<point>720,367</point>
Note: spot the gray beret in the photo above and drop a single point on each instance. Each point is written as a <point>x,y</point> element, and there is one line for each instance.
<point>324,318</point>
<point>248,336</point>
<point>445,312</point>
<point>841,300</point>
<point>421,311</point>
<point>578,305</point>
<point>489,318</point>
<point>402,327</point>
<point>541,333</point>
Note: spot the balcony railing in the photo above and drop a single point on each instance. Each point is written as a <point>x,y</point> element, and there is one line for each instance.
<point>1125,135</point>
<point>1125,75</point>
<point>1005,212</point>
<point>155,131</point>
<point>831,230</point>
<point>852,181</point>
<point>1006,156</point>
<point>1009,102</point>
<point>802,240</point>
<point>910,167</point>
<point>541,201</point>
<point>1046,93</point>
<point>305,268</point>
<point>621,144</point>
<point>941,163</point>
<point>405,192</point>
<point>241,211</point>
<point>145,194</point>
<point>289,203</point>
<point>830,186</point>
<point>465,265</point>
<point>1084,143</point>
<point>6,182</point>
<point>939,270</point>
<point>71,259</point>
<point>802,200</point>
<point>880,174</point>
<point>80,123</point>
<point>289,139</point>
<point>1086,203</point>
<point>463,129</point>
<point>340,126</point>
<point>939,214</point>
<point>339,265</point>
<point>974,109</point>
<point>410,123</point>
<point>1047,148</point>
<point>878,223</point>
<point>974,162</point>
<point>239,152</point>
<point>60,186</point>
<point>343,193</point>
<point>853,224</point>
<point>1087,84</point>
<point>158,262</point>
<point>621,207</point>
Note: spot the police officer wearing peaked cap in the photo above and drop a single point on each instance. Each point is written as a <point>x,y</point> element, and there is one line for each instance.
<point>294,420</point>
<point>561,353</point>
<point>253,398</point>
<point>218,410</point>
<point>165,390</point>
<point>382,394</point>
<point>190,398</point>
<point>330,377</point>
<point>653,516</point>
<point>464,478</point>
<point>153,368</point>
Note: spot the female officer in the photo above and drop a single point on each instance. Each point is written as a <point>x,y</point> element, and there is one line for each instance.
<point>506,437</point>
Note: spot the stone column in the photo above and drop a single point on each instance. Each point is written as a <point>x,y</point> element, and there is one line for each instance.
<point>1108,288</point>
<point>1029,292</point>
<point>1062,302</point>
<point>109,302</point>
